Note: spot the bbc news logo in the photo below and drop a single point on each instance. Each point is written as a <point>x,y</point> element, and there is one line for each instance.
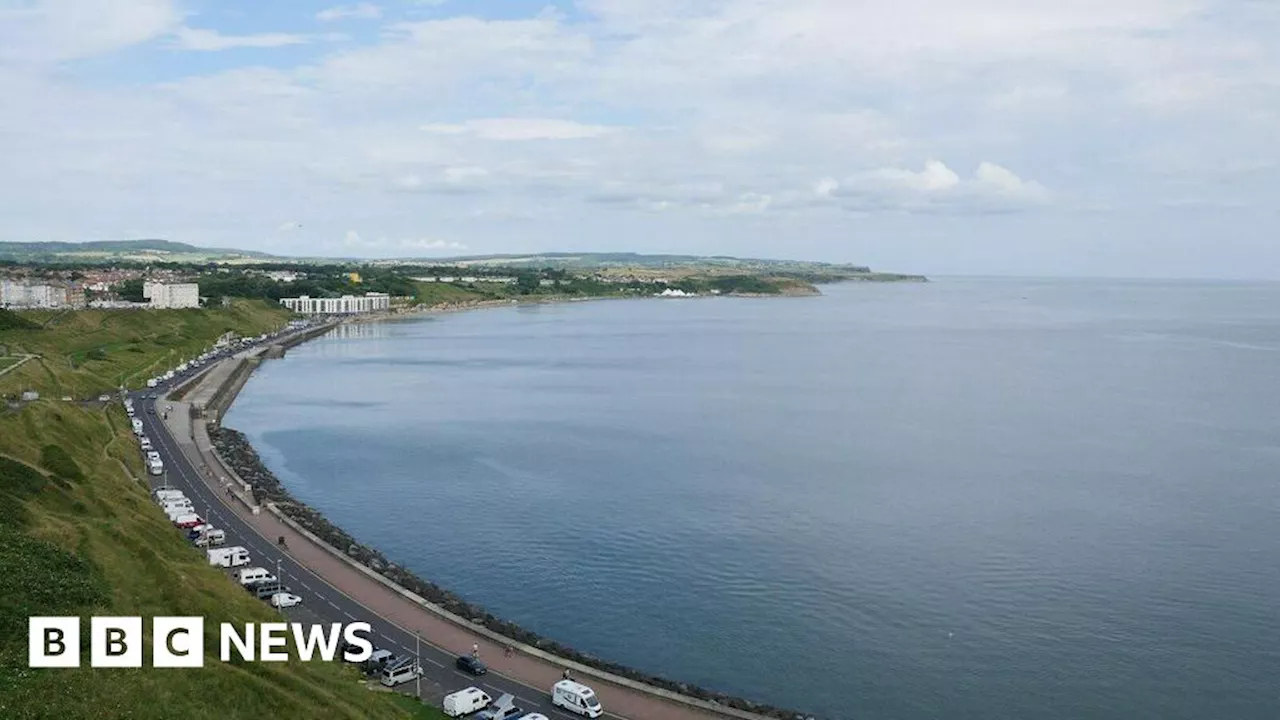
<point>178,642</point>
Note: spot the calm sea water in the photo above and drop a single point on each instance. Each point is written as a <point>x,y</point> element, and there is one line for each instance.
<point>966,499</point>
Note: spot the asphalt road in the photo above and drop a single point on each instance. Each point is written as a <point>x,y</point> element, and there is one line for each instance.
<point>321,602</point>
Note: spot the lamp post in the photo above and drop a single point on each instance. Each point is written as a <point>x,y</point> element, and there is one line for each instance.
<point>280,580</point>
<point>417,675</point>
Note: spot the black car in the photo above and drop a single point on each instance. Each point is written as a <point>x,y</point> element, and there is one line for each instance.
<point>471,666</point>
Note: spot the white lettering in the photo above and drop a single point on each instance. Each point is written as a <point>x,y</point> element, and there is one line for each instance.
<point>316,638</point>
<point>274,635</point>
<point>359,648</point>
<point>243,645</point>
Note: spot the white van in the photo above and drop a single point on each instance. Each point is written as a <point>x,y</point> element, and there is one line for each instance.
<point>152,383</point>
<point>137,426</point>
<point>576,698</point>
<point>156,466</point>
<point>210,537</point>
<point>178,512</point>
<point>401,672</point>
<point>228,557</point>
<point>145,443</point>
<point>162,494</point>
<point>465,702</point>
<point>176,504</point>
<point>252,575</point>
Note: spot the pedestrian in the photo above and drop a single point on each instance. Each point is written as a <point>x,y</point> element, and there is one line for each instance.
<point>508,651</point>
<point>475,650</point>
<point>568,675</point>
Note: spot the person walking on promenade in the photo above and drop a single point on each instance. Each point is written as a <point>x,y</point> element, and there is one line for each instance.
<point>475,651</point>
<point>508,651</point>
<point>568,675</point>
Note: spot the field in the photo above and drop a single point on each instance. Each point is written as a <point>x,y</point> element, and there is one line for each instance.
<point>88,352</point>
<point>79,536</point>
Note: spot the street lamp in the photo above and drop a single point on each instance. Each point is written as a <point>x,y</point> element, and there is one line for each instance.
<point>417,658</point>
<point>280,581</point>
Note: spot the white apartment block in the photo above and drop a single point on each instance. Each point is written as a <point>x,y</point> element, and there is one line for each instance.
<point>345,305</point>
<point>169,296</point>
<point>23,294</point>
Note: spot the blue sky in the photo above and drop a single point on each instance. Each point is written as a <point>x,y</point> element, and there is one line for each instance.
<point>1096,137</point>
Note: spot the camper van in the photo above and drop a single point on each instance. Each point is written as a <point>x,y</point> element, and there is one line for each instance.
<point>252,575</point>
<point>162,494</point>
<point>178,512</point>
<point>137,426</point>
<point>403,671</point>
<point>156,466</point>
<point>175,504</point>
<point>210,537</point>
<point>576,698</point>
<point>152,383</point>
<point>465,702</point>
<point>188,521</point>
<point>228,557</point>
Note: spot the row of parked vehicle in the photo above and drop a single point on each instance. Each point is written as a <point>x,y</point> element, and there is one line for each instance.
<point>567,694</point>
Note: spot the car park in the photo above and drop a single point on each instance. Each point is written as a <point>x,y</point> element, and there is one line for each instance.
<point>470,665</point>
<point>285,600</point>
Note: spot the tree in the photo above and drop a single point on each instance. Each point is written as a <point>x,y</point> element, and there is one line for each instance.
<point>527,283</point>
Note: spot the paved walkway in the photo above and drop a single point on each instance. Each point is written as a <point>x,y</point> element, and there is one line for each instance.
<point>395,608</point>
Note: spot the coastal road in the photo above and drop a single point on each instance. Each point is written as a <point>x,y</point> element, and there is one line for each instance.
<point>324,602</point>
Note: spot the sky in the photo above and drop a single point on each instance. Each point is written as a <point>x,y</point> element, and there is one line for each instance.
<point>1114,138</point>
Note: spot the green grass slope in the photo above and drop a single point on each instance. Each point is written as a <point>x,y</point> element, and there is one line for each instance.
<point>91,351</point>
<point>79,536</point>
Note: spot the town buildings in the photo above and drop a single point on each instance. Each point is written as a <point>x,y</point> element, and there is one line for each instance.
<point>345,305</point>
<point>31,294</point>
<point>168,296</point>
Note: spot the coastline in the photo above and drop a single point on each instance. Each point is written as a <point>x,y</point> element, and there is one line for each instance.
<point>235,451</point>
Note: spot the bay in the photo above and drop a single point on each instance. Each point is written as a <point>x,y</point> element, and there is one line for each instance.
<point>962,499</point>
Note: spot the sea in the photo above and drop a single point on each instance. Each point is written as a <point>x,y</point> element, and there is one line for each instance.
<point>968,498</point>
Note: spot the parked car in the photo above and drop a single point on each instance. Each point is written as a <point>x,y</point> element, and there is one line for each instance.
<point>470,665</point>
<point>285,600</point>
<point>264,590</point>
<point>104,398</point>
<point>504,708</point>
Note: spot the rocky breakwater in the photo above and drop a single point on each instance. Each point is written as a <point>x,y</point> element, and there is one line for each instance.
<point>235,449</point>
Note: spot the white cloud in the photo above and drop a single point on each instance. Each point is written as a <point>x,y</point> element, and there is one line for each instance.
<point>290,226</point>
<point>55,30</point>
<point>935,188</point>
<point>521,129</point>
<point>386,245</point>
<point>361,11</point>
<point>209,40</point>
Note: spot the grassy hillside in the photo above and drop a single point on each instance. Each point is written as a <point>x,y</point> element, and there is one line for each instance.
<point>79,536</point>
<point>91,351</point>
